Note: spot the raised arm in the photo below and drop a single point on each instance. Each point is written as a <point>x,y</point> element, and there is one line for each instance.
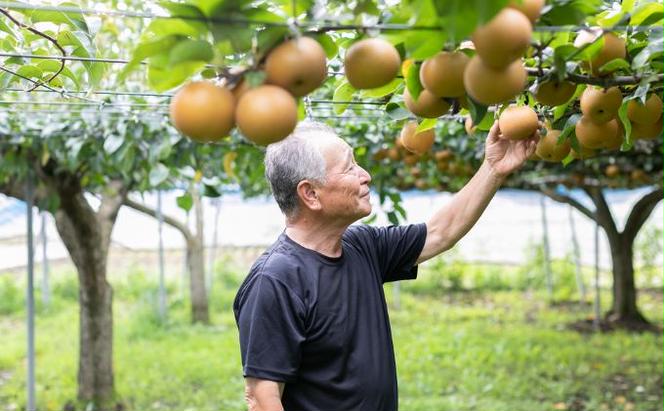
<point>263,395</point>
<point>450,223</point>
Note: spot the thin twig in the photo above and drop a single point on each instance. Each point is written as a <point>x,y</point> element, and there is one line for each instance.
<point>44,35</point>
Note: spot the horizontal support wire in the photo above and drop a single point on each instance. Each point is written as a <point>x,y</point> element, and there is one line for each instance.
<point>165,95</point>
<point>66,58</point>
<point>132,112</point>
<point>317,26</point>
<point>99,92</point>
<point>71,103</point>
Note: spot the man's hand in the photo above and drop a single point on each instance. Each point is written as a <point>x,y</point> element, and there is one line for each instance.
<point>505,156</point>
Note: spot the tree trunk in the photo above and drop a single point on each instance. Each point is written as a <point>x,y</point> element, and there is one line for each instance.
<point>624,311</point>
<point>196,258</point>
<point>623,307</point>
<point>86,234</point>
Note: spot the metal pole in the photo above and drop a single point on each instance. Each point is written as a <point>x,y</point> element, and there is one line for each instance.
<point>185,265</point>
<point>577,255</point>
<point>30,300</point>
<point>596,319</point>
<point>162,289</point>
<point>213,249</point>
<point>45,288</point>
<point>545,247</point>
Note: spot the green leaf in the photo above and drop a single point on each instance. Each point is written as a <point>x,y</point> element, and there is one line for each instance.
<point>113,142</point>
<point>146,49</point>
<point>413,81</point>
<point>182,10</point>
<point>211,191</point>
<point>240,38</point>
<point>185,201</point>
<point>426,124</point>
<point>52,66</point>
<point>30,71</point>
<point>477,110</point>
<point>396,112</point>
<point>424,44</point>
<point>269,38</point>
<point>255,78</point>
<point>83,45</point>
<point>4,27</point>
<point>652,50</point>
<point>330,47</point>
<point>613,65</point>
<point>208,73</point>
<point>158,174</point>
<point>570,125</point>
<point>627,125</point>
<point>160,28</point>
<point>486,123</point>
<point>74,20</point>
<point>190,50</point>
<point>165,78</point>
<point>383,91</point>
<point>344,92</point>
<point>646,14</point>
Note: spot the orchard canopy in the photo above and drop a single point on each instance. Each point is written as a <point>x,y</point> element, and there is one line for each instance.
<point>92,90</point>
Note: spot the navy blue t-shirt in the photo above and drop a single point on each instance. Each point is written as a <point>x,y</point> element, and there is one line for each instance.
<point>320,324</point>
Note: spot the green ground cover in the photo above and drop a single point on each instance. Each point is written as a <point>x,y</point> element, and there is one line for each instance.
<point>479,347</point>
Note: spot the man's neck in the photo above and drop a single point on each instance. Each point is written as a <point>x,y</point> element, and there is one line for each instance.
<point>315,235</point>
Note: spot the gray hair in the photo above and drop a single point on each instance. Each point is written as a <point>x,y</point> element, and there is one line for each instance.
<point>293,159</point>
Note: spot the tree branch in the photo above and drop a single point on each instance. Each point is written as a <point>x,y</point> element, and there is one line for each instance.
<point>111,201</point>
<point>640,213</point>
<point>41,34</point>
<point>562,198</point>
<point>603,212</point>
<point>167,219</point>
<point>598,81</point>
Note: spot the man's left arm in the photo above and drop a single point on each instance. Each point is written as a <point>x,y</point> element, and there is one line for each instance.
<point>450,223</point>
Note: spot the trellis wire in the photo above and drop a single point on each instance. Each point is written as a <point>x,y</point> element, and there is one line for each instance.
<point>97,92</point>
<point>320,26</point>
<point>61,92</point>
<point>70,103</point>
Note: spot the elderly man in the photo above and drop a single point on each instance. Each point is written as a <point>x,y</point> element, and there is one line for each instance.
<point>313,322</point>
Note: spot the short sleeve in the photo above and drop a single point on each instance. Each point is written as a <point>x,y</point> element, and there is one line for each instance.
<point>395,248</point>
<point>270,322</point>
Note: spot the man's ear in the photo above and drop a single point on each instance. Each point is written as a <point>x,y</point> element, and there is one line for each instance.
<point>308,194</point>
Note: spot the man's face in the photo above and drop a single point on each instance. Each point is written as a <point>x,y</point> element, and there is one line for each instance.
<point>346,191</point>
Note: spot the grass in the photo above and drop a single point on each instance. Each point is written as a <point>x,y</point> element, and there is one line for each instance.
<point>497,350</point>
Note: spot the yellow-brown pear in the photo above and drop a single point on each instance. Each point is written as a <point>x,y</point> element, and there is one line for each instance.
<point>298,65</point>
<point>593,135</point>
<point>613,48</point>
<point>442,74</point>
<point>490,86</point>
<point>427,105</point>
<point>504,39</point>
<point>548,148</point>
<point>203,111</point>
<point>418,143</point>
<point>531,8</point>
<point>518,122</point>
<point>647,132</point>
<point>553,93</point>
<point>371,63</point>
<point>601,105</point>
<point>646,114</point>
<point>266,114</point>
